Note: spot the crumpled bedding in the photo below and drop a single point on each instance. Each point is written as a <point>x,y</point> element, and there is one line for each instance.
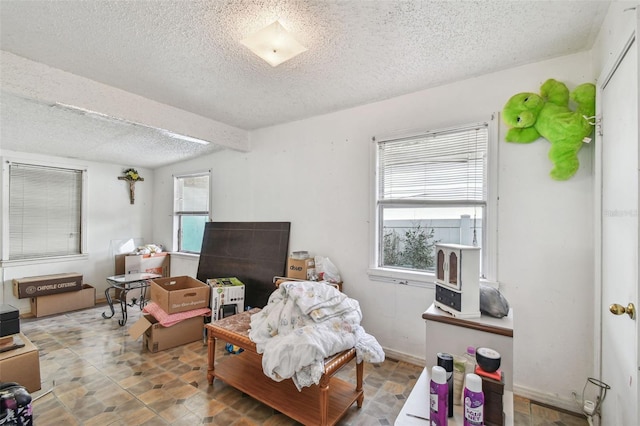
<point>305,322</point>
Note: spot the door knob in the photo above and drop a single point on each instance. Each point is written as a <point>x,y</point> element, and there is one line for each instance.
<point>617,309</point>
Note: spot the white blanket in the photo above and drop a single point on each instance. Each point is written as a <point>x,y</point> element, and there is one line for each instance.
<point>303,323</point>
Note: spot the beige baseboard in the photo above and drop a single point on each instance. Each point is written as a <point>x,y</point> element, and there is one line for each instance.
<point>552,400</point>
<point>400,356</point>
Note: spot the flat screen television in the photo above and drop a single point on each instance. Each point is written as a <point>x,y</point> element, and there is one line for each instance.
<point>253,252</point>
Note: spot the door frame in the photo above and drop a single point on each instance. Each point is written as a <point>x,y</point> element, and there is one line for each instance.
<point>602,81</point>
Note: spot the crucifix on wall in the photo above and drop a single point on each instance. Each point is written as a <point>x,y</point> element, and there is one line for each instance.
<point>131,176</point>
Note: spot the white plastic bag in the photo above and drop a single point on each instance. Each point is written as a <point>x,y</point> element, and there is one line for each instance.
<point>326,270</point>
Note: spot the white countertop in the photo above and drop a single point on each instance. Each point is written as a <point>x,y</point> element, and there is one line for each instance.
<point>418,405</point>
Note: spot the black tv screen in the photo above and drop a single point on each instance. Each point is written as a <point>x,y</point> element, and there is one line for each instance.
<point>253,252</point>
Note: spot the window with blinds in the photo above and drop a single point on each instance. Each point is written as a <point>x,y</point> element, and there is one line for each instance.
<point>191,210</point>
<point>45,211</point>
<point>431,187</point>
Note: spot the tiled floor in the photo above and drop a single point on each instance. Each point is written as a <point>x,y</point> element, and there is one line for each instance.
<point>98,375</point>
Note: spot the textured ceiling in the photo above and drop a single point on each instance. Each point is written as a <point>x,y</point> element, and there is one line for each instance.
<point>187,53</point>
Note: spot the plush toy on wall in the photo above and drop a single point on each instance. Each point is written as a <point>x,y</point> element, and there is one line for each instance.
<point>548,115</point>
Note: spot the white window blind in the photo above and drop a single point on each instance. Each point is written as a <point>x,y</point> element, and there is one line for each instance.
<point>45,211</point>
<point>447,166</point>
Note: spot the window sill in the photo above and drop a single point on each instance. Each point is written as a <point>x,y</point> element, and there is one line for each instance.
<point>193,256</point>
<point>40,261</point>
<point>395,276</point>
<point>415,279</point>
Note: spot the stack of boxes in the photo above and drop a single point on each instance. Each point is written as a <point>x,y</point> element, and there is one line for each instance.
<point>54,294</point>
<point>173,295</point>
<point>19,358</point>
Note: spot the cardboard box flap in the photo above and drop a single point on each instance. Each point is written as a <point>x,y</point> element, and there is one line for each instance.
<point>140,326</point>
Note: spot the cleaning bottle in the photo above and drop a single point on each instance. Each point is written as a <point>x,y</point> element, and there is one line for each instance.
<point>438,397</point>
<point>459,364</point>
<point>473,401</point>
<point>470,357</point>
<point>469,366</point>
<point>446,361</point>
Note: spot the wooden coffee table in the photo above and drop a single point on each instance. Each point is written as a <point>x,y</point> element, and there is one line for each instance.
<point>322,404</point>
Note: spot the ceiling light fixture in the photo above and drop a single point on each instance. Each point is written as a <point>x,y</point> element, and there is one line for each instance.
<point>274,44</point>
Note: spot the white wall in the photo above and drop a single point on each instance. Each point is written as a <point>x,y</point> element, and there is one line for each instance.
<point>615,31</point>
<point>109,217</point>
<point>316,174</point>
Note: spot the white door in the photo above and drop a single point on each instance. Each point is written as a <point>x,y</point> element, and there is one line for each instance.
<point>619,238</point>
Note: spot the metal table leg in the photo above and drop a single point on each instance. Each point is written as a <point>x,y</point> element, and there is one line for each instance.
<point>110,302</point>
<point>143,297</point>
<point>123,306</point>
<point>122,285</point>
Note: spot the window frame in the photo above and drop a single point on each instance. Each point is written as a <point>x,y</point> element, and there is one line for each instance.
<point>178,214</point>
<point>426,278</point>
<point>4,208</point>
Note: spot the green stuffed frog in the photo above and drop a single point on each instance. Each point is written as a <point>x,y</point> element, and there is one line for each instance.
<point>548,115</point>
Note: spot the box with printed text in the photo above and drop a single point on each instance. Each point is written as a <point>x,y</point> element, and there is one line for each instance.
<point>179,294</point>
<point>301,269</point>
<point>227,297</point>
<point>24,288</point>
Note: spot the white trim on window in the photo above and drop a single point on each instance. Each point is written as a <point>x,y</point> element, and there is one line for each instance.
<point>177,213</point>
<point>5,219</point>
<point>490,233</point>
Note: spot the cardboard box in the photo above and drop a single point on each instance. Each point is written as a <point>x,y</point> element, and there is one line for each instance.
<point>64,302</point>
<point>179,294</point>
<point>227,297</point>
<point>302,269</point>
<point>158,338</point>
<point>21,365</point>
<point>157,263</point>
<point>24,288</point>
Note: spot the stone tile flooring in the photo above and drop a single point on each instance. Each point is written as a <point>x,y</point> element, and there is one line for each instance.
<point>94,373</point>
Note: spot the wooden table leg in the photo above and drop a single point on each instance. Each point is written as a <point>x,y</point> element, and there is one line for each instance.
<point>211,352</point>
<point>324,399</point>
<point>359,372</point>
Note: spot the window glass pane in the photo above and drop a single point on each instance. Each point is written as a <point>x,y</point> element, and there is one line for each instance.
<point>191,231</point>
<point>409,234</point>
<point>45,211</point>
<point>431,187</point>
<point>192,193</point>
